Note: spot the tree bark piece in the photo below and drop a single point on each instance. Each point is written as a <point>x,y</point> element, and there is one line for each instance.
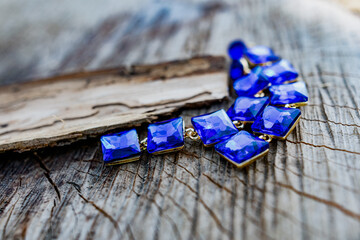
<point>75,106</point>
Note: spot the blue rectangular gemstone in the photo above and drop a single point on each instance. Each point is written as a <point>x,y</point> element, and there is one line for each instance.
<point>214,127</point>
<point>236,70</point>
<point>236,49</point>
<point>246,109</point>
<point>260,55</point>
<point>276,121</point>
<point>242,148</point>
<point>280,72</point>
<point>292,93</point>
<point>251,84</point>
<point>165,136</point>
<point>122,147</point>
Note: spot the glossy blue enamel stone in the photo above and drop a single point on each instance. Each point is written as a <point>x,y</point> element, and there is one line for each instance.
<point>166,135</point>
<point>120,146</point>
<point>214,127</point>
<point>289,93</point>
<point>241,147</point>
<point>280,72</point>
<point>261,55</point>
<point>276,121</point>
<point>236,49</point>
<point>246,109</point>
<point>251,84</point>
<point>236,70</point>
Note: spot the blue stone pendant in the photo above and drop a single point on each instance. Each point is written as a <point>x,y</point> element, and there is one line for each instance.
<point>295,94</point>
<point>246,109</point>
<point>260,55</point>
<point>280,72</point>
<point>236,70</point>
<point>251,84</point>
<point>236,49</point>
<point>166,136</point>
<point>276,122</point>
<point>242,148</point>
<point>214,127</point>
<point>120,147</point>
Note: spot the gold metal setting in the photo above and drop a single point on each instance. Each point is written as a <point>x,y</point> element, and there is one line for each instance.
<point>252,65</point>
<point>122,161</point>
<point>295,105</point>
<point>210,145</point>
<point>247,162</point>
<point>168,150</point>
<point>291,81</point>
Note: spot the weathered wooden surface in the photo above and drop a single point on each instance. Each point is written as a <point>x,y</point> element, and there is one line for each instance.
<point>68,108</point>
<point>353,5</point>
<point>308,187</point>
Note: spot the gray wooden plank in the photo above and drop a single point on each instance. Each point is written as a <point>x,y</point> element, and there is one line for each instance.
<point>306,188</point>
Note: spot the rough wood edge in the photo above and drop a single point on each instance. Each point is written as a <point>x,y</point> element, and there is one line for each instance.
<point>165,70</point>
<point>202,64</point>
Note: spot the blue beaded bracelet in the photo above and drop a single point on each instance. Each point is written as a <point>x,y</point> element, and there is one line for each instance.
<point>268,96</point>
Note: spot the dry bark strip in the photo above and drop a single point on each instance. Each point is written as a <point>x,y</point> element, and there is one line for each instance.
<point>76,106</point>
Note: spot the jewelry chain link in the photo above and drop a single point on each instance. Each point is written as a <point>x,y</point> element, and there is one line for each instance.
<point>191,133</point>
<point>266,137</point>
<point>143,144</point>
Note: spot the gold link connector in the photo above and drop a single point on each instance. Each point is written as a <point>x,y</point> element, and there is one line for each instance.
<point>266,137</point>
<point>192,134</point>
<point>260,94</point>
<point>143,144</point>
<point>239,125</point>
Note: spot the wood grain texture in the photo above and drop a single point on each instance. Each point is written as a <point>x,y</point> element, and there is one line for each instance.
<point>308,187</point>
<point>68,108</point>
<point>353,5</point>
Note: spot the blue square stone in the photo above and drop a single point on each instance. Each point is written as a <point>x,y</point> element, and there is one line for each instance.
<point>293,93</point>
<point>122,146</point>
<point>214,127</point>
<point>251,84</point>
<point>165,136</point>
<point>280,72</point>
<point>276,121</point>
<point>261,55</point>
<point>246,109</point>
<point>242,148</point>
<point>236,70</point>
<point>236,49</point>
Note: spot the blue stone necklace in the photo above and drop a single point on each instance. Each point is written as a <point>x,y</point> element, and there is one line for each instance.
<point>269,95</point>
